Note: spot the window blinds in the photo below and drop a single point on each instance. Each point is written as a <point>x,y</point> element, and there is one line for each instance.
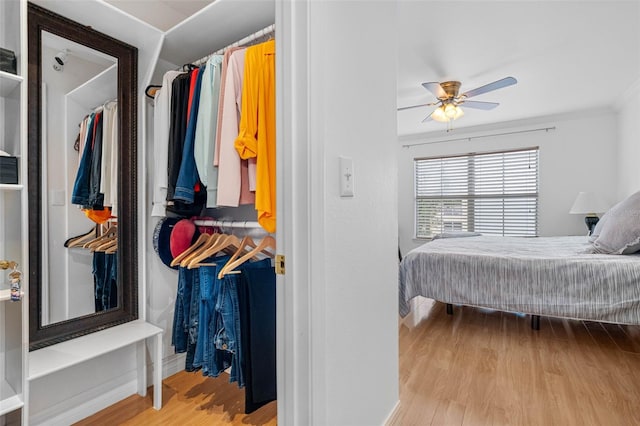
<point>491,193</point>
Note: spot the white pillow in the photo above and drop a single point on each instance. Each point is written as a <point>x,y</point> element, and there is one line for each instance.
<point>620,231</point>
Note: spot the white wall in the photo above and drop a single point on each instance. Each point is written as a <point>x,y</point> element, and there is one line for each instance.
<point>629,148</point>
<point>71,395</point>
<point>353,280</point>
<point>581,154</point>
<point>62,163</point>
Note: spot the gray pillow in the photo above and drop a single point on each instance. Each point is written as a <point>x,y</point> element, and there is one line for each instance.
<point>598,228</point>
<point>620,232</point>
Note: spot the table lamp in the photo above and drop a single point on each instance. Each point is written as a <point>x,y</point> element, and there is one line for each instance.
<point>590,205</point>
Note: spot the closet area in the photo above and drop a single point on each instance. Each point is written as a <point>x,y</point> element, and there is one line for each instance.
<point>13,208</point>
<point>210,132</point>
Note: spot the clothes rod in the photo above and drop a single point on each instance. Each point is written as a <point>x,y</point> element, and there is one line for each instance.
<point>248,39</point>
<point>469,138</point>
<point>243,224</point>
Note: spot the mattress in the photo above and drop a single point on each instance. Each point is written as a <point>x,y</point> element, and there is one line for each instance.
<point>550,276</point>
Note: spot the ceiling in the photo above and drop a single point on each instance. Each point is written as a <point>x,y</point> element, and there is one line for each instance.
<point>162,14</point>
<point>566,56</point>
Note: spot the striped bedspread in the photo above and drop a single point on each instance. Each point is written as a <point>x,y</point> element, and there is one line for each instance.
<point>549,276</point>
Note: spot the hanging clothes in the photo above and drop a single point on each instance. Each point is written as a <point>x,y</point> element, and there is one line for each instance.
<point>257,136</point>
<point>257,306</point>
<point>177,130</point>
<point>205,137</point>
<point>109,162</point>
<point>161,128</point>
<point>233,186</point>
<point>188,176</point>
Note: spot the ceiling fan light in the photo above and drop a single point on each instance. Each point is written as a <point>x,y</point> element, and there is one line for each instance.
<point>450,111</point>
<point>459,113</point>
<point>439,115</point>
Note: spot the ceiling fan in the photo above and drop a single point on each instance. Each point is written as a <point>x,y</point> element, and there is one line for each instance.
<point>449,101</point>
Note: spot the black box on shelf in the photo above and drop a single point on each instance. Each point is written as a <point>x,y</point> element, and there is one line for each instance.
<point>8,61</point>
<point>8,169</point>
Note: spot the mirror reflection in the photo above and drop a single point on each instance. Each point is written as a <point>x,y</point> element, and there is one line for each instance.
<point>79,180</point>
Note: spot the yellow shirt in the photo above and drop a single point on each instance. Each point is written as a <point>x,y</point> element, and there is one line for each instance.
<point>257,133</point>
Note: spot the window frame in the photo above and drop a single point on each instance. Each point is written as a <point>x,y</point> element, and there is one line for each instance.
<point>471,179</point>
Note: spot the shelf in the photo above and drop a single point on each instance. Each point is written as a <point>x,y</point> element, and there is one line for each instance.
<point>10,187</point>
<point>9,400</point>
<point>6,295</point>
<point>45,361</point>
<point>8,82</point>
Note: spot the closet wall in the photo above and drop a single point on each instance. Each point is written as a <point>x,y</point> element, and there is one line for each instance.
<point>68,396</point>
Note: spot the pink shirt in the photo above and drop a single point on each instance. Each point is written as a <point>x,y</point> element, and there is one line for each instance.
<point>233,177</point>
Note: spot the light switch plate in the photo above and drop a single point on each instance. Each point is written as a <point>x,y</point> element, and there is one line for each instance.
<point>346,177</point>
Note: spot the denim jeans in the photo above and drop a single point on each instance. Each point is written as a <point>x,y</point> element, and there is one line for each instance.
<point>105,279</point>
<point>213,362</point>
<point>179,337</point>
<point>188,176</point>
<point>227,332</point>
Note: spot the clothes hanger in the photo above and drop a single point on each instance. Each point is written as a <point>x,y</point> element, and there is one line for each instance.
<point>113,249</point>
<point>210,242</point>
<point>151,90</point>
<point>225,242</point>
<point>203,238</point>
<point>81,239</point>
<point>108,233</point>
<point>107,244</point>
<point>267,242</point>
<point>246,241</point>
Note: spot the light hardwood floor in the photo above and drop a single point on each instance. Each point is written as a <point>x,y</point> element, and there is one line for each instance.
<point>188,399</point>
<point>473,368</point>
<point>480,367</point>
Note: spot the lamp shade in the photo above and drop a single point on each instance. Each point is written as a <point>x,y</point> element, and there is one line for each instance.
<point>588,203</point>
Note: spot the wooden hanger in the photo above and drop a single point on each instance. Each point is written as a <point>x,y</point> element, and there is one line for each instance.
<point>105,244</point>
<point>267,242</point>
<point>112,230</point>
<point>79,240</point>
<point>203,238</point>
<point>210,242</point>
<point>225,242</point>
<point>113,249</point>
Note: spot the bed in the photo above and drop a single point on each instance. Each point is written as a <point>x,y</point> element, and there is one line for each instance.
<point>543,276</point>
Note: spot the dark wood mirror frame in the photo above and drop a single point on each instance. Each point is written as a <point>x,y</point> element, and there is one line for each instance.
<point>39,20</point>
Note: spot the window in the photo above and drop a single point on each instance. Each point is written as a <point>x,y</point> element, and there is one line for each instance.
<point>491,193</point>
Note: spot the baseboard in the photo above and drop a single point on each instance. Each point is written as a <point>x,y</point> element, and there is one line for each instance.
<point>89,402</point>
<point>171,365</point>
<point>103,396</point>
<point>392,414</point>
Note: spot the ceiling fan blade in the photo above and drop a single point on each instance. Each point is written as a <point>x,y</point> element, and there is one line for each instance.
<point>480,105</point>
<point>417,106</point>
<point>498,84</point>
<point>428,117</point>
<point>436,89</point>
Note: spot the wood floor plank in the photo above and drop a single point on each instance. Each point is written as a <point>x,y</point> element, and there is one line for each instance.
<point>496,370</point>
<point>188,399</point>
<point>476,367</point>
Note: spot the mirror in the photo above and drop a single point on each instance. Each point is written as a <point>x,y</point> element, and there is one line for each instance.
<point>82,179</point>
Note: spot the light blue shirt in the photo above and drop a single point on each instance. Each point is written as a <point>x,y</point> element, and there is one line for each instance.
<point>205,138</point>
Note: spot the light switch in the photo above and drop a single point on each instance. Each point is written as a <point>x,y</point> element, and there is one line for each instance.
<point>346,177</point>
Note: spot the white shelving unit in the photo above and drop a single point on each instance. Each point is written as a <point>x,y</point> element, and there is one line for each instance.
<point>14,336</point>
